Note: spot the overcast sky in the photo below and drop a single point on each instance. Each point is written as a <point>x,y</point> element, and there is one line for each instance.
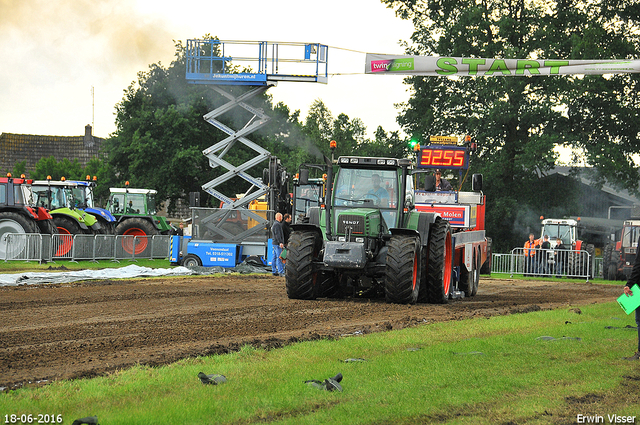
<point>54,52</point>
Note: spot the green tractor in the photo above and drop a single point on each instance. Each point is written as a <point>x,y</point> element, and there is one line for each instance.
<point>369,240</point>
<point>136,215</point>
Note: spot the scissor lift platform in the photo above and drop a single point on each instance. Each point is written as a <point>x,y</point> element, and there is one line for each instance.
<point>255,63</point>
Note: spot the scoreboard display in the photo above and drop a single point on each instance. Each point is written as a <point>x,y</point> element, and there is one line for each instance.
<point>448,157</point>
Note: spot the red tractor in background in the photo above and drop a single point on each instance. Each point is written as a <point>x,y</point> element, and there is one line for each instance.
<point>18,214</point>
<point>618,258</point>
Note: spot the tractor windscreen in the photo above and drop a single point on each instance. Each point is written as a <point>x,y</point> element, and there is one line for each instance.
<point>562,231</point>
<point>367,188</point>
<point>24,195</point>
<point>82,197</point>
<point>630,237</point>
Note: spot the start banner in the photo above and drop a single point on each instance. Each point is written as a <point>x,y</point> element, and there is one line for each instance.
<point>444,66</point>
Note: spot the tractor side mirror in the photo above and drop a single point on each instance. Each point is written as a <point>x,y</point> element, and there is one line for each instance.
<point>304,176</point>
<point>476,182</point>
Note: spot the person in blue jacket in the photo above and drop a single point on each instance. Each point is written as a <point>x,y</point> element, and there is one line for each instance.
<point>277,237</point>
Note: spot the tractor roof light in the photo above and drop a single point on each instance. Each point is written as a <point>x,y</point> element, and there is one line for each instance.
<point>22,176</point>
<point>49,178</point>
<point>9,175</point>
<point>333,144</point>
<point>62,178</point>
<point>126,183</point>
<point>95,178</point>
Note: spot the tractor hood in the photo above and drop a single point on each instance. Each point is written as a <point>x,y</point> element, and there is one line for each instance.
<point>360,222</point>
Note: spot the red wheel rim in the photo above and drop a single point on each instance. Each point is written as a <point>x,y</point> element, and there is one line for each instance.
<point>66,242</point>
<point>448,262</point>
<point>140,243</point>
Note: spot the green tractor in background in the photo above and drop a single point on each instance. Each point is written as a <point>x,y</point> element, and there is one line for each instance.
<point>136,215</point>
<point>57,198</point>
<point>369,240</point>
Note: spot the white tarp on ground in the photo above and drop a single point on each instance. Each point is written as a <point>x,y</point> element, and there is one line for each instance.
<point>444,66</point>
<point>33,278</point>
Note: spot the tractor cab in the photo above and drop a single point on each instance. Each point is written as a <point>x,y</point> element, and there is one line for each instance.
<point>132,202</point>
<point>367,188</point>
<point>564,229</point>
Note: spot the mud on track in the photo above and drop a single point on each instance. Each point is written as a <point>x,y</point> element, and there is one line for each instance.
<point>52,332</point>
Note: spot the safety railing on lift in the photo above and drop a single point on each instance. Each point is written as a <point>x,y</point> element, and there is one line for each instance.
<point>211,61</point>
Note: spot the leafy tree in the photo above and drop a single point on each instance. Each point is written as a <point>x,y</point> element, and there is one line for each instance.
<point>70,170</point>
<point>519,120</point>
<point>19,168</point>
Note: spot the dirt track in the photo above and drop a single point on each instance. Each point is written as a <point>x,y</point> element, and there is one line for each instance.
<point>52,332</point>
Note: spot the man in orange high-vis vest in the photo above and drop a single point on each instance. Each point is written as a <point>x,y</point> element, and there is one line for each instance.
<point>530,263</point>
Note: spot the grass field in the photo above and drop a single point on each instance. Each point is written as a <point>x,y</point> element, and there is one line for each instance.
<point>481,371</point>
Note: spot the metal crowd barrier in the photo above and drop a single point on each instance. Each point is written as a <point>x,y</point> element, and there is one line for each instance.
<point>23,247</point>
<point>38,247</point>
<point>547,262</point>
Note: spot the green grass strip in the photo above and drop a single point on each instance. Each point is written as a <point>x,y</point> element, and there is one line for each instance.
<point>480,371</point>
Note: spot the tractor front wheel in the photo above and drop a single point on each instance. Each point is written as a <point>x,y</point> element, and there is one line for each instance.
<point>301,281</point>
<point>440,262</point>
<point>403,270</point>
<point>67,227</point>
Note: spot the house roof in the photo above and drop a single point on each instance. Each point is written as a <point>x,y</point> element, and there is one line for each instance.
<point>584,176</point>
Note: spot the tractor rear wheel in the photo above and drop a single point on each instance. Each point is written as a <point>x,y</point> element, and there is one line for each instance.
<point>607,260</point>
<point>402,272</point>
<point>591,250</point>
<point>301,281</point>
<point>440,262</point>
<point>581,264</point>
<point>11,222</point>
<point>139,227</point>
<point>469,279</point>
<point>611,272</point>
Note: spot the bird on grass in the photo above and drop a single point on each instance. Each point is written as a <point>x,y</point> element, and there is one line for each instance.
<point>212,379</point>
<point>329,384</point>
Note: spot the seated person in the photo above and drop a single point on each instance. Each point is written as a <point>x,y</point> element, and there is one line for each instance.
<point>442,184</point>
<point>380,194</point>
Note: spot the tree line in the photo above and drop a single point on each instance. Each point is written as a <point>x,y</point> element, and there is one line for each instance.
<point>517,121</point>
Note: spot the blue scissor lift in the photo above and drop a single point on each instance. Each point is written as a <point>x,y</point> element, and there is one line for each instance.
<point>261,65</point>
